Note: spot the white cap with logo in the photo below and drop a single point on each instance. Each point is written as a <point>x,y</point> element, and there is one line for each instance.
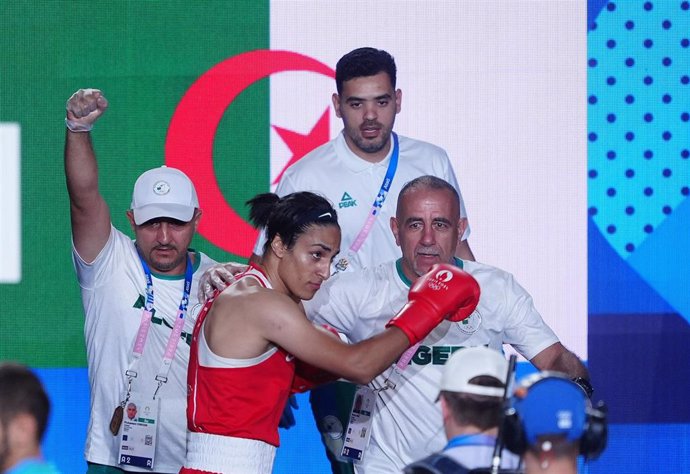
<point>163,192</point>
<point>470,362</point>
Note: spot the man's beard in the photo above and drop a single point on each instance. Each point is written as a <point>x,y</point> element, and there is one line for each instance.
<point>371,146</point>
<point>164,265</point>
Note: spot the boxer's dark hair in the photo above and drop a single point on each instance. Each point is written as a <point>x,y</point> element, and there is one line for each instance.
<point>290,216</point>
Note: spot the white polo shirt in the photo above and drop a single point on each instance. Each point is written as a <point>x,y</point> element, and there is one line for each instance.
<point>351,184</point>
<point>407,425</point>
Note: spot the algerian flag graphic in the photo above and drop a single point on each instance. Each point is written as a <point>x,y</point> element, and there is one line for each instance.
<point>234,91</point>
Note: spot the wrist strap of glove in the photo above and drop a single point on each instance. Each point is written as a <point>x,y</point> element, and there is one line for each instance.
<point>77,126</point>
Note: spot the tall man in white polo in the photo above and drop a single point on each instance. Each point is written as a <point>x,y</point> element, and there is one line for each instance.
<point>361,172</point>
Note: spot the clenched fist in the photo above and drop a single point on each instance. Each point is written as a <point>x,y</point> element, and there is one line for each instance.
<point>84,108</point>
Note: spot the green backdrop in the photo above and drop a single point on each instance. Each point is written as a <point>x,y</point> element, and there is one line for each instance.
<point>144,55</point>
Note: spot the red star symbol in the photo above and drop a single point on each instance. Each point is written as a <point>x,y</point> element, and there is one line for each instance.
<point>300,144</point>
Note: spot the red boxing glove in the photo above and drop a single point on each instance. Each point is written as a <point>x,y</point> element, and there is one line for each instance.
<point>445,290</point>
<point>308,376</point>
<point>471,287</point>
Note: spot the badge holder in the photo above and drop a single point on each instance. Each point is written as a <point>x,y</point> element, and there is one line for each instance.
<point>119,412</point>
<point>139,428</point>
<point>362,413</point>
<point>359,427</point>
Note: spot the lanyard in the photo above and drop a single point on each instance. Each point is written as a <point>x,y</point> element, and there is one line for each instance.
<point>404,360</point>
<point>400,366</point>
<point>380,197</point>
<point>145,325</point>
<point>478,439</point>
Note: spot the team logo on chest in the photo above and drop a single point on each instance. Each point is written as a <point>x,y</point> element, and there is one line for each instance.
<point>341,266</point>
<point>471,324</point>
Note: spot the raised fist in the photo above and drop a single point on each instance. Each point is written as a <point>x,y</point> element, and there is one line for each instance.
<point>84,108</point>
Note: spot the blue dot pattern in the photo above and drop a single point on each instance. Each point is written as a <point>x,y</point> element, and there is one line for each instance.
<point>638,109</point>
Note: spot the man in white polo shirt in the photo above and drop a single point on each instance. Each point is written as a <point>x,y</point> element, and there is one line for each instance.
<point>362,167</point>
<point>407,423</point>
<point>140,304</point>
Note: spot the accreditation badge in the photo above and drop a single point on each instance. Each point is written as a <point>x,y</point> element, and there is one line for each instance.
<point>359,428</point>
<point>139,428</point>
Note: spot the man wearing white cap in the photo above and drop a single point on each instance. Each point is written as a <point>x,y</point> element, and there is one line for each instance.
<point>471,398</point>
<point>140,303</point>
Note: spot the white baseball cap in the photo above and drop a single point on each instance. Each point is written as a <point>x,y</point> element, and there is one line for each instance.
<point>470,362</point>
<point>163,192</point>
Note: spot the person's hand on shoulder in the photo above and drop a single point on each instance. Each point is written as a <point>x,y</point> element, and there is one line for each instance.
<point>218,277</point>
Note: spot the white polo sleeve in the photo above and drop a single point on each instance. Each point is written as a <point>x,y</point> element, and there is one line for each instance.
<point>332,306</point>
<point>525,329</point>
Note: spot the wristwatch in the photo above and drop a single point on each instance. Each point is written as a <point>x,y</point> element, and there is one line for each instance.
<point>584,385</point>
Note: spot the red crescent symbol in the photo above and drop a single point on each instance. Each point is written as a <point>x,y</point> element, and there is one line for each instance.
<point>189,143</point>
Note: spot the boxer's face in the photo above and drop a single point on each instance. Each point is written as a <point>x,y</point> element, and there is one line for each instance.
<point>305,266</point>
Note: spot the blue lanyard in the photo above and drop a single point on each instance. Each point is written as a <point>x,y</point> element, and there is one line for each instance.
<point>380,198</point>
<point>478,439</point>
<point>147,313</point>
<point>188,274</point>
<point>388,179</point>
